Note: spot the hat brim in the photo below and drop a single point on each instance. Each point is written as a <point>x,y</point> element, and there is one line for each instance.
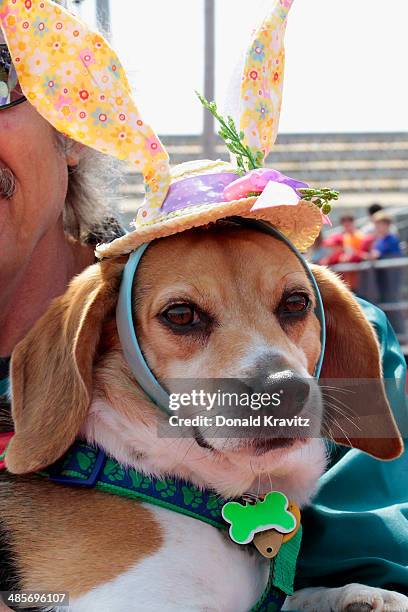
<point>300,223</point>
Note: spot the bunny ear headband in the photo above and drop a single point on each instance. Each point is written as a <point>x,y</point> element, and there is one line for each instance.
<point>74,79</point>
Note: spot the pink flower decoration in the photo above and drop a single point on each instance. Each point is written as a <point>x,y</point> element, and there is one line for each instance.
<point>5,12</point>
<point>256,181</point>
<point>153,146</point>
<point>64,106</point>
<point>87,57</point>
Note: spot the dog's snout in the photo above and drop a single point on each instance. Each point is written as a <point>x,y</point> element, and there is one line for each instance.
<point>288,390</point>
<point>293,391</point>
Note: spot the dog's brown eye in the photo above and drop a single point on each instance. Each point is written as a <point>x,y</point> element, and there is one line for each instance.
<point>184,318</point>
<point>294,304</point>
<point>181,315</point>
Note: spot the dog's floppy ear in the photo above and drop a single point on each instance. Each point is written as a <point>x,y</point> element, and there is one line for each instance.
<point>352,352</point>
<point>51,369</point>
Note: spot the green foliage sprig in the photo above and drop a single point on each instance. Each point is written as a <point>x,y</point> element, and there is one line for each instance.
<point>246,158</point>
<point>320,197</point>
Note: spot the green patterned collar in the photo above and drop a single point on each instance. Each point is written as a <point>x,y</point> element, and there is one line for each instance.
<point>86,466</point>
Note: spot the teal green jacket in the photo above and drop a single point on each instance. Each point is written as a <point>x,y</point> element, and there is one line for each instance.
<point>356,530</point>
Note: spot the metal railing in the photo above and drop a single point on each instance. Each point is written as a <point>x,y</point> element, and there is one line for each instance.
<point>394,262</point>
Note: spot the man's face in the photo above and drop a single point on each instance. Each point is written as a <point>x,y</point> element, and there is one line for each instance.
<point>33,183</point>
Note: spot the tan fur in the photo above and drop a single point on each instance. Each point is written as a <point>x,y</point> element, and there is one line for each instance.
<point>353,353</point>
<point>239,278</point>
<point>61,545</point>
<point>52,367</point>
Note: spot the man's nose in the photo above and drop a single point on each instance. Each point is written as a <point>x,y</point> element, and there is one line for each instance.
<point>287,390</point>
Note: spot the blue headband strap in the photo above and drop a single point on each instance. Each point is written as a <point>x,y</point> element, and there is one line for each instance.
<point>126,328</point>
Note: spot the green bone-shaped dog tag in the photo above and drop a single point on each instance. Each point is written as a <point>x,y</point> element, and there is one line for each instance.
<point>270,513</point>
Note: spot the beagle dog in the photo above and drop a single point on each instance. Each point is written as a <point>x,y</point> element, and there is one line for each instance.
<point>241,306</point>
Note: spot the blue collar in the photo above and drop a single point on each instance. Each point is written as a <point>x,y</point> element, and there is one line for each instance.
<point>126,328</point>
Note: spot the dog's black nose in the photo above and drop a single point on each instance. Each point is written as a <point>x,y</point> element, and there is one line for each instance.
<point>287,390</point>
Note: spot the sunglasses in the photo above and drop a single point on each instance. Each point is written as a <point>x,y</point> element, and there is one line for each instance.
<point>10,90</point>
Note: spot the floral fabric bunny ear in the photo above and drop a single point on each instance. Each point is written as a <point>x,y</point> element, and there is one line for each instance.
<point>75,80</point>
<point>262,81</point>
<point>203,191</point>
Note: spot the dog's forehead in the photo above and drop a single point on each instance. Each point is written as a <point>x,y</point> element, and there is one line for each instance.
<point>216,251</point>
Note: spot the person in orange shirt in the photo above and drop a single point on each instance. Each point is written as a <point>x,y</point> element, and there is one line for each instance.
<point>353,238</point>
<point>338,254</point>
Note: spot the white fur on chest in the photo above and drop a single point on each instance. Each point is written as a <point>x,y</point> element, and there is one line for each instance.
<point>197,569</point>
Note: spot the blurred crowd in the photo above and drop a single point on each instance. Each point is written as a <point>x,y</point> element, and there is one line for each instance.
<point>376,239</point>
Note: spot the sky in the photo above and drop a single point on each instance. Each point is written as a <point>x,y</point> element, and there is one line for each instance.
<point>345,60</point>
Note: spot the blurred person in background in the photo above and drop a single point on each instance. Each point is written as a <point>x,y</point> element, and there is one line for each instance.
<point>354,245</point>
<point>334,246</point>
<point>337,254</point>
<point>387,245</point>
<point>352,237</point>
<point>369,228</point>
<point>386,242</point>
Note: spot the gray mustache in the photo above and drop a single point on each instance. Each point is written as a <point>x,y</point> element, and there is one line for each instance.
<point>7,183</point>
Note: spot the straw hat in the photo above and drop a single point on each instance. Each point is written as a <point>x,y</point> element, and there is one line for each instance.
<point>300,221</point>
<point>92,103</point>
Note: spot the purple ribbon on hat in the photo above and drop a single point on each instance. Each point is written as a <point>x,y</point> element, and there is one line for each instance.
<point>222,187</point>
<point>195,190</point>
